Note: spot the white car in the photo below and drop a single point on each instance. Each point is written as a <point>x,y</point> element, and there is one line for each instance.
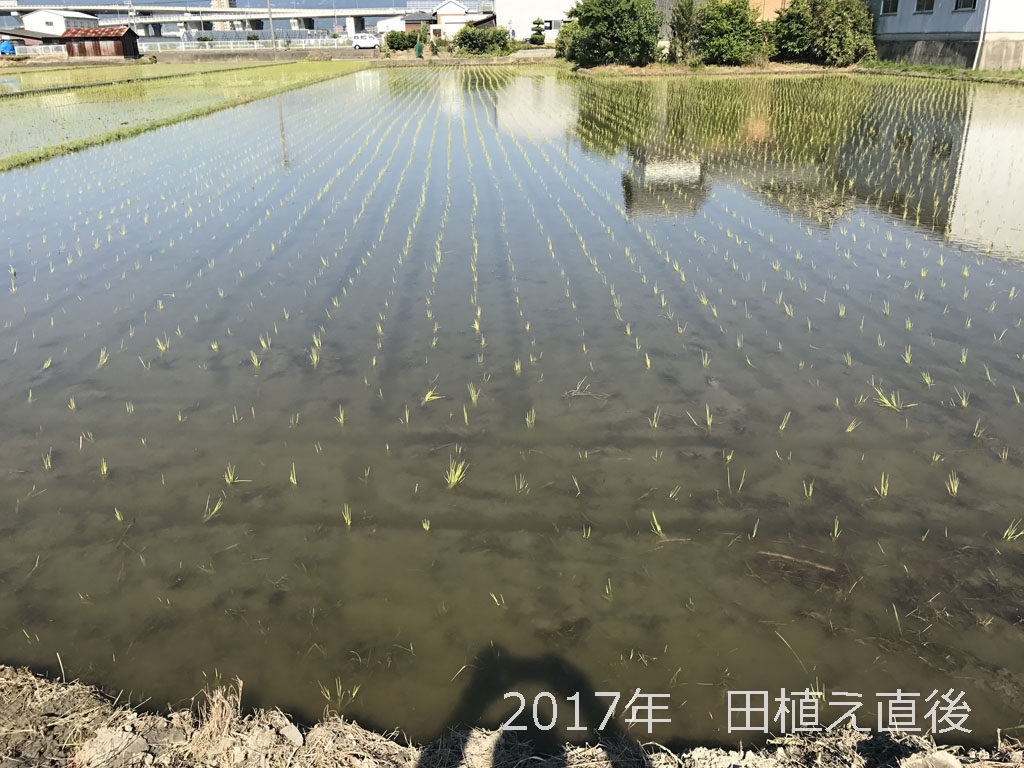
<point>363,40</point>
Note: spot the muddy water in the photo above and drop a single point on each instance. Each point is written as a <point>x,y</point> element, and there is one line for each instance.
<point>593,258</point>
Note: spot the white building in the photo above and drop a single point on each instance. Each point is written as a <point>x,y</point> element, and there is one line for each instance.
<point>55,22</point>
<point>986,34</point>
<point>517,16</point>
<point>451,16</point>
<point>391,24</point>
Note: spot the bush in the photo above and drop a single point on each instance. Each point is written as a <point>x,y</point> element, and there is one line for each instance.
<point>204,39</point>
<point>398,41</point>
<point>433,47</point>
<point>477,42</point>
<point>537,33</point>
<point>615,31</point>
<point>252,36</point>
<point>565,40</point>
<point>832,32</point>
<point>727,32</point>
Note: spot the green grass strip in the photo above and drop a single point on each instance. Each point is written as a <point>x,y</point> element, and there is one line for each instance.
<point>42,154</point>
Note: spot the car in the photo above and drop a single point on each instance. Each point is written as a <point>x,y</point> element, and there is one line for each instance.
<point>363,40</point>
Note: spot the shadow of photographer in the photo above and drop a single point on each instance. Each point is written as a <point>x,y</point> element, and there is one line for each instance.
<point>496,672</point>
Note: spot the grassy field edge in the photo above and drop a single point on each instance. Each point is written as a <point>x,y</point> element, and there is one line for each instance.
<point>49,722</point>
<point>42,154</point>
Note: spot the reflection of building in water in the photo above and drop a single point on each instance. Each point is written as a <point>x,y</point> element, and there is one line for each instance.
<point>663,187</point>
<point>989,199</point>
<point>537,105</point>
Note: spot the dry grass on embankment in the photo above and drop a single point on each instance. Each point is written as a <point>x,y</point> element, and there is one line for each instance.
<point>48,723</point>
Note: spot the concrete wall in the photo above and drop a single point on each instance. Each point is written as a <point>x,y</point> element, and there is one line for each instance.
<point>947,53</point>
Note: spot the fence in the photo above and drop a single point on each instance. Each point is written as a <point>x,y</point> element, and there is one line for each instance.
<point>246,45</point>
<point>38,50</point>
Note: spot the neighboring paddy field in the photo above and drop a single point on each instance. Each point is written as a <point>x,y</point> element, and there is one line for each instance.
<point>22,79</point>
<point>44,125</point>
<point>409,388</point>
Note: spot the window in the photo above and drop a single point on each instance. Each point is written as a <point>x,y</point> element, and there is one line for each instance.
<point>890,6</point>
<point>925,6</point>
<point>48,23</point>
<point>965,5</point>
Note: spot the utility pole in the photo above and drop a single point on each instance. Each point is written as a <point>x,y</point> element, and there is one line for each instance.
<point>270,21</point>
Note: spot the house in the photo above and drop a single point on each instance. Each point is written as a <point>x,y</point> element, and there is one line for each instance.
<point>980,34</point>
<point>391,24</point>
<point>416,18</point>
<point>54,23</point>
<point>517,16</point>
<point>101,41</point>
<point>451,16</point>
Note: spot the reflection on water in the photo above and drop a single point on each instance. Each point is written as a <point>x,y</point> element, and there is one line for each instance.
<point>736,392</point>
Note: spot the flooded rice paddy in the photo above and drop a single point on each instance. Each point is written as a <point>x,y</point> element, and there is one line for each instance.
<point>404,390</point>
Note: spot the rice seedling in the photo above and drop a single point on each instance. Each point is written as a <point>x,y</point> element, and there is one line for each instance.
<point>953,484</point>
<point>1014,531</point>
<point>431,396</point>
<point>211,510</point>
<point>926,378</point>
<point>785,421</point>
<point>521,486</point>
<point>882,489</point>
<point>254,358</point>
<point>654,419</point>
<point>531,418</point>
<point>48,459</point>
<point>474,393</point>
<point>346,515</point>
<point>231,476</point>
<point>104,469</point>
<point>656,526</point>
<point>708,418</point>
<point>808,488</point>
<point>104,358</point>
<point>962,398</point>
<point>292,477</point>
<point>836,531</point>
<point>893,401</point>
<point>425,523</point>
<point>854,423</point>
<point>455,474</point>
<point>906,356</point>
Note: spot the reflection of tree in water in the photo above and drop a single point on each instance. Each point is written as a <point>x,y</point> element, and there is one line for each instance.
<point>813,145</point>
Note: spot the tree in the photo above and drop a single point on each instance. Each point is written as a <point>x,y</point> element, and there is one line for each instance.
<point>537,38</point>
<point>832,32</point>
<point>616,31</point>
<point>566,39</point>
<point>727,32</point>
<point>681,23</point>
<point>475,41</point>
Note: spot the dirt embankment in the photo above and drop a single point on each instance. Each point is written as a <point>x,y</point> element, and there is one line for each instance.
<point>49,723</point>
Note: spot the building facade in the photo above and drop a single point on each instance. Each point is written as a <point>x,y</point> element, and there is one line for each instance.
<point>517,16</point>
<point>984,34</point>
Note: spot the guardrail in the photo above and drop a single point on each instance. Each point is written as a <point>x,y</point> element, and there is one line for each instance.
<point>246,45</point>
<point>39,50</point>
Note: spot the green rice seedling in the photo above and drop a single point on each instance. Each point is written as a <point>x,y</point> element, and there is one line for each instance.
<point>456,472</point>
<point>431,396</point>
<point>346,515</point>
<point>1004,454</point>
<point>292,477</point>
<point>893,401</point>
<point>836,531</point>
<point>707,420</point>
<point>231,476</point>
<point>499,599</point>
<point>104,469</point>
<point>314,356</point>
<point>753,534</point>
<point>906,356</point>
<point>48,459</point>
<point>926,377</point>
<point>882,489</point>
<point>705,359</point>
<point>210,511</point>
<point>656,526</point>
<point>531,418</point>
<point>519,481</point>
<point>340,418</point>
<point>72,406</point>
<point>785,421</point>
<point>854,423</point>
<point>979,431</point>
<point>848,360</point>
<point>425,522</point>
<point>653,420</point>
<point>1014,531</point>
<point>908,325</point>
<point>255,361</point>
<point>474,393</point>
<point>608,590</point>
<point>163,344</point>
<point>104,358</point>
<point>962,398</point>
<point>953,484</point>
<point>963,356</point>
<point>808,488</point>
